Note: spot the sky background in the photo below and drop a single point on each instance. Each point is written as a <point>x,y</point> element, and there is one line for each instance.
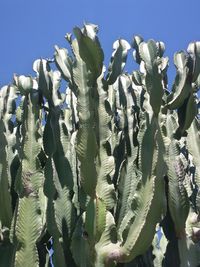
<point>30,29</point>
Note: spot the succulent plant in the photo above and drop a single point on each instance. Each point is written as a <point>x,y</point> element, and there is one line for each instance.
<point>105,171</point>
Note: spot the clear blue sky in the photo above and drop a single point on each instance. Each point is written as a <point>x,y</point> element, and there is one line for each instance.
<point>30,29</point>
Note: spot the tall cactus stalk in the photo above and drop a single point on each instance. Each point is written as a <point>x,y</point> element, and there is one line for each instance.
<point>105,172</point>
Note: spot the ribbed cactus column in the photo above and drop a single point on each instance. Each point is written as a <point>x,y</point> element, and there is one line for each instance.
<point>8,161</point>
<point>28,219</point>
<point>59,180</point>
<point>7,151</point>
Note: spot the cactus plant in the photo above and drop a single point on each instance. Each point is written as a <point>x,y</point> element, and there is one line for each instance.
<point>105,172</point>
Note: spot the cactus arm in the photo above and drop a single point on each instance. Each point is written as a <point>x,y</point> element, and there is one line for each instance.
<point>107,245</point>
<point>58,258</point>
<point>50,191</point>
<point>79,246</point>
<point>105,161</point>
<point>96,209</point>
<point>153,79</point>
<point>70,113</point>
<point>148,53</point>
<point>177,196</point>
<point>194,149</point>
<point>105,188</point>
<point>86,147</point>
<point>58,186</point>
<point>137,40</point>
<point>60,214</point>
<point>64,63</point>
<point>186,114</point>
<point>71,120</point>
<point>140,235</point>
<point>28,226</point>
<point>49,147</point>
<point>181,87</point>
<point>7,155</point>
<point>7,151</point>
<point>194,52</point>
<point>128,175</point>
<point>90,49</point>
<point>148,194</point>
<point>5,199</point>
<point>127,201</point>
<point>29,211</point>
<point>183,92</point>
<point>118,60</point>
<point>193,141</point>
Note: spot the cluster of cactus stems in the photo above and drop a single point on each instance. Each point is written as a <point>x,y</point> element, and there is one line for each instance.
<point>108,168</point>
